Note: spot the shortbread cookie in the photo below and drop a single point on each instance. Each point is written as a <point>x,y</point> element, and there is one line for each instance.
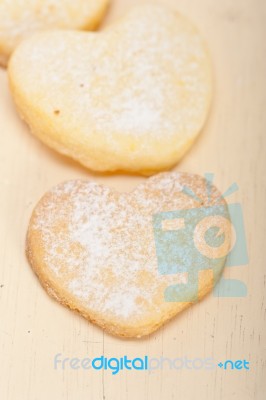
<point>21,18</point>
<point>103,253</point>
<point>133,97</point>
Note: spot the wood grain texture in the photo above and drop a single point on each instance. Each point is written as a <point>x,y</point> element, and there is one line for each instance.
<point>33,328</point>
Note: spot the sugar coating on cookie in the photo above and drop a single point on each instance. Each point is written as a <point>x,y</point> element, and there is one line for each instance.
<point>94,251</point>
<point>21,18</point>
<point>132,97</point>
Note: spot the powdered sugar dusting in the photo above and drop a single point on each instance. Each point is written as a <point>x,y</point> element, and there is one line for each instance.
<point>99,244</point>
<point>146,77</point>
<point>21,18</point>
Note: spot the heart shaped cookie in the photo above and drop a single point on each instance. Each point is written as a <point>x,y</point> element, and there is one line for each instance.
<point>20,18</point>
<point>121,260</point>
<point>133,97</point>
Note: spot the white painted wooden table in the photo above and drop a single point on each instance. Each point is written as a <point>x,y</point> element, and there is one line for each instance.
<point>33,328</point>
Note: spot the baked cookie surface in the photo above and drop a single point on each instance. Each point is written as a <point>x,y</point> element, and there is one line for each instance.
<point>21,18</point>
<point>133,97</point>
<point>94,249</point>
